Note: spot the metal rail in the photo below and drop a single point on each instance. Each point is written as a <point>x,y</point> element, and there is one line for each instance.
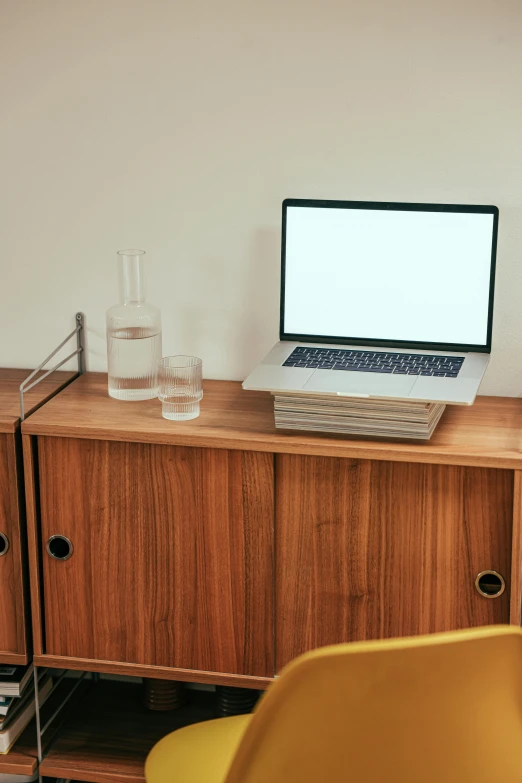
<point>29,383</point>
<point>40,730</point>
<point>79,352</point>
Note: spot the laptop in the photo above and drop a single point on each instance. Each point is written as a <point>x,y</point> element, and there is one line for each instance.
<point>383,300</point>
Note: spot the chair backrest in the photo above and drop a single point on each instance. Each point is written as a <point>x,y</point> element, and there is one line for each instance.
<point>444,708</point>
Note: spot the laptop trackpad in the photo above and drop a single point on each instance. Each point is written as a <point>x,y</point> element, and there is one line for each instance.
<point>381,384</point>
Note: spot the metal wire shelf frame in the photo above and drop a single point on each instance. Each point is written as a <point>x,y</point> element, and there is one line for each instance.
<point>29,383</point>
<point>26,385</point>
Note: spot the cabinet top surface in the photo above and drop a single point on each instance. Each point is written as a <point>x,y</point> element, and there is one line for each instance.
<point>10,381</point>
<point>489,433</point>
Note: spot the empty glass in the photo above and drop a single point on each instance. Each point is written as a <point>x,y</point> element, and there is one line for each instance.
<point>180,387</point>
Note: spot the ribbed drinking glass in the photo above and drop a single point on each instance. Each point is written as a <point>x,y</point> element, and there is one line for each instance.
<point>180,387</point>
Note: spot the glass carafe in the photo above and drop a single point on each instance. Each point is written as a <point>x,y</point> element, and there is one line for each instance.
<point>133,334</point>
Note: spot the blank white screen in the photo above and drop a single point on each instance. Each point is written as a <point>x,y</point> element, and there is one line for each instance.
<point>388,275</point>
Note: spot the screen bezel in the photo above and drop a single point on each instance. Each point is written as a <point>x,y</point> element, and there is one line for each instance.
<point>402,207</point>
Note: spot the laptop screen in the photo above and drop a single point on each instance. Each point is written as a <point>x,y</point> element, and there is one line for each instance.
<point>392,274</point>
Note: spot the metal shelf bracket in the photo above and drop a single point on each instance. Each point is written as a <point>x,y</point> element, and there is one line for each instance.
<point>79,352</point>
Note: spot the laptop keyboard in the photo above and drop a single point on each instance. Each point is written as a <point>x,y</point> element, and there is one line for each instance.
<point>375,361</point>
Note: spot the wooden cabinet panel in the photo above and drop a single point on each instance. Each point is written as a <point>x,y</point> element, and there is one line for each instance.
<point>368,549</point>
<point>173,554</point>
<point>12,618</point>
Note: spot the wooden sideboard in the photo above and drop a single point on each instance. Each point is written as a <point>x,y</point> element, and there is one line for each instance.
<point>216,550</point>
<point>14,618</point>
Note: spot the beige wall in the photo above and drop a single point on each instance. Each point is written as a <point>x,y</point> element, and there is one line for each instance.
<point>180,126</point>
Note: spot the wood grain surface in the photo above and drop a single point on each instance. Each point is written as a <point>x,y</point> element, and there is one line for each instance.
<point>368,550</point>
<point>111,733</point>
<point>22,759</point>
<point>489,433</point>
<point>10,381</point>
<point>157,672</point>
<point>173,555</point>
<point>515,616</point>
<point>13,647</point>
<point>14,614</point>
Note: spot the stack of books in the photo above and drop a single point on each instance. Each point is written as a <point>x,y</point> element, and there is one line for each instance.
<point>357,416</point>
<point>17,702</point>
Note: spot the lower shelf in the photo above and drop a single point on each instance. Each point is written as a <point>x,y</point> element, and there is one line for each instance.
<point>22,759</point>
<point>108,736</point>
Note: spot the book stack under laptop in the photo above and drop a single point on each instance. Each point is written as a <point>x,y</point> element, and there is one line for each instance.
<point>357,416</point>
<point>17,702</point>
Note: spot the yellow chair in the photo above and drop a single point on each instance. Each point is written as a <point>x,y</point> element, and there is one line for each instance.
<point>445,708</point>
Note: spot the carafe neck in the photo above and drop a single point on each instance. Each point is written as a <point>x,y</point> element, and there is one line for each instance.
<point>131,277</point>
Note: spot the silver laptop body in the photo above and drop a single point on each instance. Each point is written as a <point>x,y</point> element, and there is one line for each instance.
<point>383,300</point>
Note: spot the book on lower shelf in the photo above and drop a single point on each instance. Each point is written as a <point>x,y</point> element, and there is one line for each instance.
<point>13,680</point>
<point>16,722</point>
<point>357,416</point>
<point>6,704</point>
<point>10,704</point>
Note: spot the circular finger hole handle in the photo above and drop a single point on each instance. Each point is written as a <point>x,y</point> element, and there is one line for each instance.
<point>4,544</point>
<point>59,547</point>
<point>490,584</point>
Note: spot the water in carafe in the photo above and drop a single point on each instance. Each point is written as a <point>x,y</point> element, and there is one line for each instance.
<point>133,335</point>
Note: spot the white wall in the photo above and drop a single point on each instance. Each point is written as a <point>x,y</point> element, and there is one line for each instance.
<point>179,127</point>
